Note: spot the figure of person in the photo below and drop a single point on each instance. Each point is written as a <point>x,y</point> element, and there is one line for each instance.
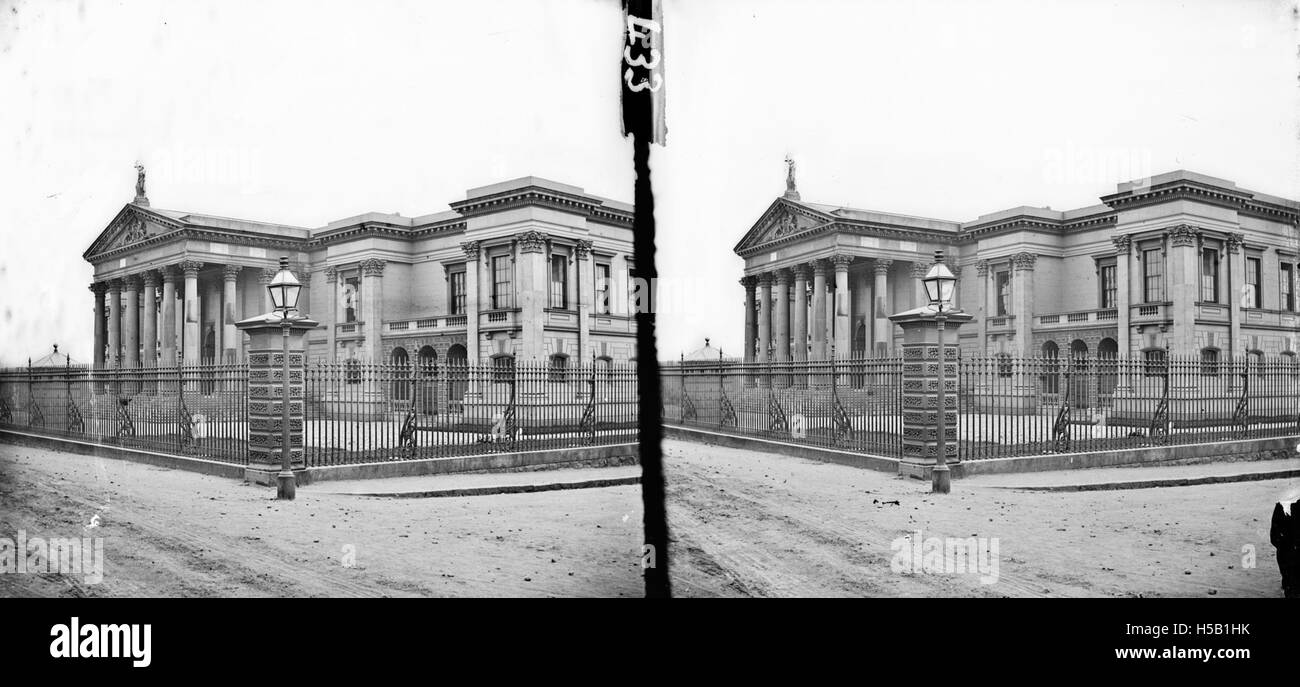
<point>789,174</point>
<point>349,303</point>
<point>1006,296</point>
<point>1285,536</point>
<point>139,180</point>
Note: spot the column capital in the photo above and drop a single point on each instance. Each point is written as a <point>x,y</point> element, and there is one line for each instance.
<point>583,249</point>
<point>231,272</point>
<point>150,278</point>
<point>98,288</point>
<point>1123,244</point>
<point>331,274</point>
<point>190,268</point>
<point>131,282</point>
<point>532,241</point>
<point>1235,241</point>
<point>765,279</point>
<point>800,272</point>
<point>268,273</point>
<point>841,262</point>
<point>956,271</point>
<point>783,277</point>
<point>882,265</point>
<point>167,273</point>
<point>919,269</point>
<point>471,249</point>
<point>115,285</point>
<point>982,268</point>
<point>1024,261</point>
<point>1183,235</point>
<point>373,267</point>
<point>818,267</point>
<point>749,281</point>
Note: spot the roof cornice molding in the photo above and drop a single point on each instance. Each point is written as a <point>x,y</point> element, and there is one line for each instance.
<point>1180,189</point>
<point>543,197</point>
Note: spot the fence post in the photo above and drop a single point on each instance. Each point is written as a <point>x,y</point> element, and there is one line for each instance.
<point>921,369</point>
<point>266,395</point>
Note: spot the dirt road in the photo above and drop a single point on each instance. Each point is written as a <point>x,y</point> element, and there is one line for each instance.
<point>174,533</point>
<point>756,524</point>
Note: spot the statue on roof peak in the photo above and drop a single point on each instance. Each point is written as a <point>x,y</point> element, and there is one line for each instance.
<point>790,190</point>
<point>140,197</point>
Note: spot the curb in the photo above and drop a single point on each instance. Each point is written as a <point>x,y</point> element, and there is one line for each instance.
<point>1168,482</point>
<point>504,489</point>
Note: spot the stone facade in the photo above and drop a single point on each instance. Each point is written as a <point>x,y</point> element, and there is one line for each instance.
<point>529,268</point>
<point>1181,260</point>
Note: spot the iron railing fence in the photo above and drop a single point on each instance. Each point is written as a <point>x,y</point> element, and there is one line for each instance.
<point>1027,406</point>
<point>852,405</point>
<point>198,411</point>
<point>360,413</point>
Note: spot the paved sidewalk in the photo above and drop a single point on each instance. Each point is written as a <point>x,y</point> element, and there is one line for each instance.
<point>426,486</point>
<point>1141,477</point>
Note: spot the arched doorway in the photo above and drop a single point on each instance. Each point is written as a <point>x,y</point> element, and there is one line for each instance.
<point>1107,369</point>
<point>401,375</point>
<point>427,373</point>
<point>1051,368</point>
<point>457,374</point>
<point>1080,378</point>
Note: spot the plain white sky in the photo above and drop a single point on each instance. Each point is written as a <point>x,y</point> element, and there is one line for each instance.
<point>296,112</point>
<point>949,110</point>
<point>302,112</point>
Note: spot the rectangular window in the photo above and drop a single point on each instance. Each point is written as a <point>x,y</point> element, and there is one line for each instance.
<point>1210,275</point>
<point>602,288</point>
<point>503,292</point>
<point>1288,287</point>
<point>1153,276</point>
<point>559,281</point>
<point>1254,297</point>
<point>1109,288</point>
<point>458,293</point>
<point>1003,282</point>
<point>632,305</point>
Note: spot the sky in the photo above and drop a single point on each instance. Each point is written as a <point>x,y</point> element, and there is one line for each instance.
<point>302,112</point>
<point>949,110</point>
<point>294,112</point>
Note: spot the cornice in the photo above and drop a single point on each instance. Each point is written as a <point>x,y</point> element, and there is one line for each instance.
<point>1179,189</point>
<point>544,197</point>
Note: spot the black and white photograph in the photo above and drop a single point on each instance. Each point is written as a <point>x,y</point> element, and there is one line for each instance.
<point>653,298</point>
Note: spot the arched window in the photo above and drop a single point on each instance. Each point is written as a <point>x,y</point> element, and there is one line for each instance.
<point>427,371</point>
<point>1255,361</point>
<point>503,367</point>
<point>1290,362</point>
<point>1107,366</point>
<point>1210,362</point>
<point>559,368</point>
<point>400,373</point>
<point>1051,368</point>
<point>605,367</point>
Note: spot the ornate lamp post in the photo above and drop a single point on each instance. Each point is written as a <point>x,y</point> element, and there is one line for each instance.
<point>939,284</point>
<point>284,288</point>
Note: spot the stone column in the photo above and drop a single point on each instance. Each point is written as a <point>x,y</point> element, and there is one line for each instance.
<point>764,317</point>
<point>751,332</point>
<point>167,332</point>
<point>99,288</point>
<point>921,377</point>
<point>819,310</point>
<point>1184,288</point>
<point>229,301</point>
<point>843,307</point>
<point>330,320</point>
<point>266,397</point>
<point>781,317</point>
<point>471,249</point>
<point>190,344</point>
<point>115,323</point>
<point>131,323</point>
<point>800,316</point>
<point>919,297</point>
<point>882,333</point>
<point>582,273</point>
<point>1123,307</point>
<point>149,328</point>
<point>372,298</point>
<point>1022,284</point>
<point>530,290</point>
<point>982,276</point>
<point>1236,281</point>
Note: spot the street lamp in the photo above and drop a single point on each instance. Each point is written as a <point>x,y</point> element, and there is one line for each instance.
<point>939,283</point>
<point>284,288</point>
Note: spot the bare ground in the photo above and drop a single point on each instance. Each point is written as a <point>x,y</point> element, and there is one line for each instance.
<point>173,533</point>
<point>758,524</point>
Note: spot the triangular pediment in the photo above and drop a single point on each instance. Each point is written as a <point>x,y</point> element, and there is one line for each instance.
<point>132,225</point>
<point>782,219</point>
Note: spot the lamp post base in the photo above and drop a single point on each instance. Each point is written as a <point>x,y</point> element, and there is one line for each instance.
<point>940,479</point>
<point>286,485</point>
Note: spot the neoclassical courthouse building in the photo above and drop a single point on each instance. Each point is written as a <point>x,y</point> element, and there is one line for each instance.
<point>1181,260</point>
<point>529,269</point>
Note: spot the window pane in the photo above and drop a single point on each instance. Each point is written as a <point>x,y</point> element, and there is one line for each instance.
<point>559,281</point>
<point>602,289</point>
<point>1109,290</point>
<point>502,288</point>
<point>1153,282</point>
<point>458,293</point>
<point>1210,275</point>
<point>1254,297</point>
